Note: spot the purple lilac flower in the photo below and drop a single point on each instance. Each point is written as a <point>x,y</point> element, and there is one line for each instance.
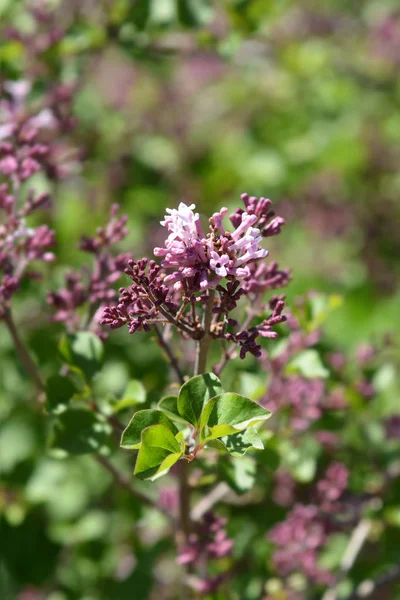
<point>303,396</point>
<point>331,488</point>
<point>337,361</point>
<point>365,353</point>
<point>336,399</point>
<point>22,154</point>
<point>94,288</point>
<point>298,540</point>
<point>385,39</point>
<point>169,500</point>
<point>329,440</point>
<point>392,426</point>
<point>193,255</point>
<point>193,268</point>
<point>209,541</point>
<point>306,528</point>
<point>284,488</point>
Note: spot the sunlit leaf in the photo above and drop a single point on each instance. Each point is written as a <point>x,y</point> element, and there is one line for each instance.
<point>131,436</point>
<point>82,351</point>
<point>194,394</point>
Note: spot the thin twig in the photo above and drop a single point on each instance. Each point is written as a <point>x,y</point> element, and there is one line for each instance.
<point>229,353</point>
<point>208,501</point>
<point>184,499</point>
<point>124,482</point>
<point>179,323</point>
<point>24,355</point>
<point>34,373</point>
<point>356,543</point>
<point>171,356</point>
<point>367,588</point>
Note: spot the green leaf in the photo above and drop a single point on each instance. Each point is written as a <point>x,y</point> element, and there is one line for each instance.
<point>229,413</point>
<point>59,391</point>
<point>135,393</point>
<point>333,551</point>
<point>132,435</point>
<point>80,431</point>
<point>300,460</point>
<point>239,443</point>
<point>169,405</point>
<point>82,351</point>
<point>195,393</point>
<point>193,13</point>
<point>309,364</point>
<point>140,13</point>
<point>240,475</point>
<point>159,450</point>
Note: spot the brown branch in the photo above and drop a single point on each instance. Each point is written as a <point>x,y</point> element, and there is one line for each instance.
<point>123,481</point>
<point>32,369</point>
<point>184,499</point>
<point>370,588</point>
<point>209,500</point>
<point>24,355</point>
<point>353,549</point>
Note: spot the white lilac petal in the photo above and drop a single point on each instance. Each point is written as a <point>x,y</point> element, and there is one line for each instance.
<point>221,271</point>
<point>252,255</point>
<point>18,89</point>
<point>44,119</point>
<point>218,263</point>
<point>247,221</point>
<point>203,280</point>
<point>217,218</point>
<point>239,271</point>
<point>6,130</point>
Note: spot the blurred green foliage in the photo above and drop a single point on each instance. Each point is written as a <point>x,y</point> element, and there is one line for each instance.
<point>200,101</point>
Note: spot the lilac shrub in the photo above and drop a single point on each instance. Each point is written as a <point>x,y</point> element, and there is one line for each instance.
<point>209,286</point>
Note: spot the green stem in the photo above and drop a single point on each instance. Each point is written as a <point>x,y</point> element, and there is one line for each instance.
<point>184,487</point>
<point>204,342</point>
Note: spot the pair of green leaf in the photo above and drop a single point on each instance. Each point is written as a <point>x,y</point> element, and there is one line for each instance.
<point>158,440</point>
<point>83,352</point>
<point>201,403</point>
<point>81,431</point>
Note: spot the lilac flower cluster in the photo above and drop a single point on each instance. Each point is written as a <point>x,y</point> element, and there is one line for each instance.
<point>92,288</point>
<point>306,529</point>
<point>330,489</point>
<point>392,427</point>
<point>22,154</point>
<point>385,41</point>
<point>209,541</point>
<point>303,396</point>
<point>23,151</point>
<point>304,400</point>
<point>284,488</point>
<point>200,261</point>
<point>193,268</point>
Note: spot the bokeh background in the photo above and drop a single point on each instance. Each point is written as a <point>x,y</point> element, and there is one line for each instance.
<point>197,101</point>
